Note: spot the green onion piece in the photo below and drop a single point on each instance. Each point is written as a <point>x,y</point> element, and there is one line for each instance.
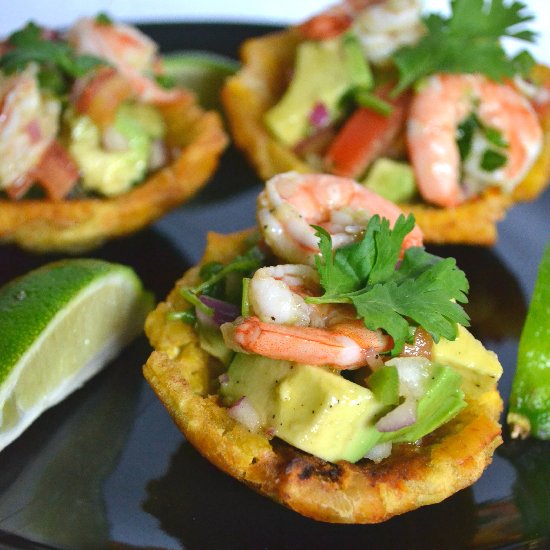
<point>364,98</point>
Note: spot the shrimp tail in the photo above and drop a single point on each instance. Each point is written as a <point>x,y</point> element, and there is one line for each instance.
<point>309,345</point>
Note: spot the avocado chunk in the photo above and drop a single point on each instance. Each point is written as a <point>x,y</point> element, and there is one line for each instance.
<point>211,341</point>
<point>325,71</point>
<point>309,407</point>
<point>442,399</point>
<point>111,173</point>
<point>479,367</point>
<point>392,180</point>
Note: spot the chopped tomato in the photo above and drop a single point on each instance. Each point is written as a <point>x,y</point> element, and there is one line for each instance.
<point>325,25</point>
<point>364,137</point>
<point>101,96</point>
<point>56,172</point>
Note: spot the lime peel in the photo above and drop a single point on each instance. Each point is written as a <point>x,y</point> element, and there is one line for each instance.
<point>202,72</point>
<point>60,324</point>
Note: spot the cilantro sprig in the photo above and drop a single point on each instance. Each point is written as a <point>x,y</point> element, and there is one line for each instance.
<point>217,281</point>
<point>421,290</point>
<point>57,60</point>
<point>469,41</point>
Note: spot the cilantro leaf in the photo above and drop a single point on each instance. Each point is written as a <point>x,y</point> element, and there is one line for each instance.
<point>367,261</point>
<point>57,60</point>
<point>421,290</point>
<point>467,42</point>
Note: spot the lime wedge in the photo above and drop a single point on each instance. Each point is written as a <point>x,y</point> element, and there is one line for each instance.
<point>529,411</point>
<point>202,72</point>
<point>59,325</point>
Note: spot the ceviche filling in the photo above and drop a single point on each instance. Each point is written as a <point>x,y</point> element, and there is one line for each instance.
<point>79,111</point>
<point>359,347</point>
<point>417,107</point>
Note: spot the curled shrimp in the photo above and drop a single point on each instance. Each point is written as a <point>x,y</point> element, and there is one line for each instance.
<point>291,202</point>
<point>382,26</point>
<point>284,326</point>
<point>348,346</point>
<point>436,112</point>
<point>28,125</point>
<point>130,51</point>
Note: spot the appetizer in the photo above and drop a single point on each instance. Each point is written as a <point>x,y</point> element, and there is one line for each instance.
<point>323,359</point>
<point>94,141</point>
<point>428,111</point>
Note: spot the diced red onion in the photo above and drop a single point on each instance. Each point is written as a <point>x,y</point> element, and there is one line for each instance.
<point>379,452</point>
<point>223,379</point>
<point>242,411</point>
<point>224,312</point>
<point>319,116</point>
<point>402,416</point>
<point>34,131</point>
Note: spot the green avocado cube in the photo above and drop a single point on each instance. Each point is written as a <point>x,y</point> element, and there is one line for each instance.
<point>309,407</point>
<point>324,72</point>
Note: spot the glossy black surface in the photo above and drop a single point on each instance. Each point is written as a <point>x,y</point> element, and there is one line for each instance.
<point>107,468</point>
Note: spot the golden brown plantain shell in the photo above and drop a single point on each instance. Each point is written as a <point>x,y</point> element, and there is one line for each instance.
<point>185,379</point>
<point>81,224</point>
<point>247,96</point>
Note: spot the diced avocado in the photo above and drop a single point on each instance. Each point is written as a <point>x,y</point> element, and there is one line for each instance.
<point>392,180</point>
<point>114,172</point>
<point>442,400</point>
<point>324,72</point>
<point>309,407</point>
<point>479,367</point>
<point>211,341</point>
<point>384,383</point>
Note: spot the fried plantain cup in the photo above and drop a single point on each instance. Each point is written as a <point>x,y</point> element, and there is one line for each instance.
<point>185,378</point>
<point>250,93</point>
<point>75,225</point>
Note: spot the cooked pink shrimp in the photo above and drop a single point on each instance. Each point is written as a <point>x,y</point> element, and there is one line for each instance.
<point>437,110</point>
<point>28,125</point>
<point>131,52</point>
<point>291,202</point>
<point>345,346</point>
<point>382,26</point>
<point>283,325</point>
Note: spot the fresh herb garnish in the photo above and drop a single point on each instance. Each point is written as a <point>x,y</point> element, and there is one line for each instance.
<point>422,289</point>
<point>103,19</point>
<point>468,42</point>
<point>57,61</point>
<point>214,275</point>
<point>491,159</point>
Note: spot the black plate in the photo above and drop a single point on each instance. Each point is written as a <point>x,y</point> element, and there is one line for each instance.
<point>107,467</point>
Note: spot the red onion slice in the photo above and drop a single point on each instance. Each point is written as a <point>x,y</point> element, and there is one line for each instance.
<point>402,416</point>
<point>242,411</point>
<point>319,117</point>
<point>224,312</point>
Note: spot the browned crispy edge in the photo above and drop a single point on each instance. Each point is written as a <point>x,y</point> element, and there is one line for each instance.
<point>259,84</point>
<point>76,225</point>
<point>184,378</point>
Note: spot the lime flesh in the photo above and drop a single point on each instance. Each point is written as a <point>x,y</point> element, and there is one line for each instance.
<point>59,325</point>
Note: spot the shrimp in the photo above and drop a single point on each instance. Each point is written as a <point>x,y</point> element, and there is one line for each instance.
<point>132,53</point>
<point>382,26</point>
<point>284,326</point>
<point>333,347</point>
<point>291,202</point>
<point>29,123</point>
<point>436,112</point>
